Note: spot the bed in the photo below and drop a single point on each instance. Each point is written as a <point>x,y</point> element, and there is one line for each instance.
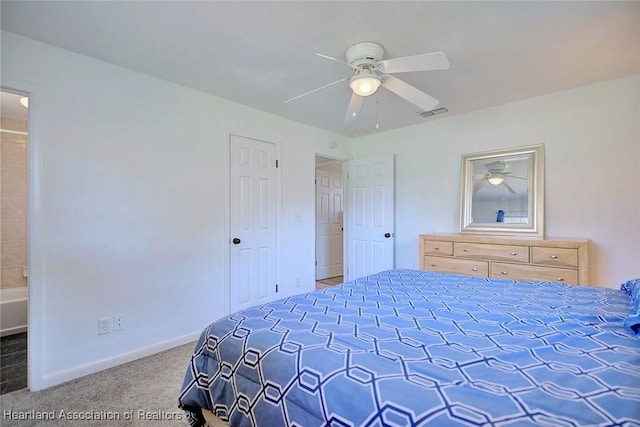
<point>407,347</point>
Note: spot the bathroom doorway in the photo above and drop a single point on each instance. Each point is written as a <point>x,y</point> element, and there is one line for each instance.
<point>13,241</point>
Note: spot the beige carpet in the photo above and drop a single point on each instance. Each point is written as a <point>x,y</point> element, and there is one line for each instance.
<point>144,391</point>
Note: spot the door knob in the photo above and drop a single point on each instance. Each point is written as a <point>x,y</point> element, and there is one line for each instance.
<point>236,241</point>
<point>387,235</point>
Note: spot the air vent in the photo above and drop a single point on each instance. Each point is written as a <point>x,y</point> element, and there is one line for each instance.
<point>433,112</point>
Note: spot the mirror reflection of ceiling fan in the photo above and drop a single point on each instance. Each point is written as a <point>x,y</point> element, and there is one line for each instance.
<point>370,72</point>
<point>496,175</point>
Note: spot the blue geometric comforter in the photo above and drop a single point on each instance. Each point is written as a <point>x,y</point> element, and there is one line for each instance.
<point>414,348</point>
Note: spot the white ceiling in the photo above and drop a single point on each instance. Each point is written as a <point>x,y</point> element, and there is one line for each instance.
<point>262,53</point>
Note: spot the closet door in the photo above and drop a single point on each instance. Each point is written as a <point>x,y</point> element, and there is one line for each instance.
<point>253,222</point>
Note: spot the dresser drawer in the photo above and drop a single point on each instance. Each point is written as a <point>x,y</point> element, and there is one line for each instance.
<point>533,273</point>
<point>456,266</point>
<point>558,260</point>
<point>555,256</point>
<point>485,250</point>
<point>438,247</point>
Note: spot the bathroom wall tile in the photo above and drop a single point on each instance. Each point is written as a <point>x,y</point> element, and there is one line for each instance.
<point>13,124</point>
<point>14,229</point>
<point>14,154</point>
<point>13,138</point>
<point>14,254</point>
<point>14,179</point>
<point>14,204</point>
<point>13,278</point>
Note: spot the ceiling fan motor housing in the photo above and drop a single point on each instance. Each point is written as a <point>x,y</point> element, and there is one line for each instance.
<point>497,167</point>
<point>365,55</point>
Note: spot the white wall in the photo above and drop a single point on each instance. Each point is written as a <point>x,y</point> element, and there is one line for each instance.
<point>131,218</point>
<point>131,195</point>
<point>592,143</point>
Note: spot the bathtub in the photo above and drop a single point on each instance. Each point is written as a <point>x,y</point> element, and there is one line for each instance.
<point>13,310</point>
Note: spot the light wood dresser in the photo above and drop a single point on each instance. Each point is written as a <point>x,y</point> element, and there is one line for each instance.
<point>555,260</point>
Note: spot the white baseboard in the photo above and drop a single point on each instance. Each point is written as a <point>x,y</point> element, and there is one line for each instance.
<point>65,375</point>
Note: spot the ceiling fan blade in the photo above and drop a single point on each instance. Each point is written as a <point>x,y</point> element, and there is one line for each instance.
<point>480,184</point>
<point>410,93</point>
<point>354,108</point>
<point>315,90</point>
<point>508,187</point>
<point>518,177</point>
<point>423,62</point>
<point>338,60</point>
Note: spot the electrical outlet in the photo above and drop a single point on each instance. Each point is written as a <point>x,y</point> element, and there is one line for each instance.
<point>118,323</point>
<point>298,281</point>
<point>104,326</point>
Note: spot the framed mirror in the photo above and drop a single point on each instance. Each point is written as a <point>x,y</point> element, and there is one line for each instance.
<point>502,192</point>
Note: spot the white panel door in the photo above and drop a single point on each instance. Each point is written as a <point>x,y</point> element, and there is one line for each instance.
<point>370,223</point>
<point>329,212</point>
<point>253,222</point>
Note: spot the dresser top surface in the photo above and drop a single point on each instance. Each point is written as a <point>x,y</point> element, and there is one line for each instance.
<point>506,240</point>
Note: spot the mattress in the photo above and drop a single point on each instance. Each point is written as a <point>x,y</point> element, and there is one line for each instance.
<point>416,348</point>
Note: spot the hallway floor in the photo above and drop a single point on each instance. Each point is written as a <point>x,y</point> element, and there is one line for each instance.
<point>329,282</point>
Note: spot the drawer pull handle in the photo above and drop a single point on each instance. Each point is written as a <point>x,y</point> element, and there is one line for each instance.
<point>503,272</point>
<point>433,265</point>
<point>465,250</point>
<point>554,257</point>
<point>514,253</point>
<point>436,248</point>
<point>560,279</point>
<point>474,269</point>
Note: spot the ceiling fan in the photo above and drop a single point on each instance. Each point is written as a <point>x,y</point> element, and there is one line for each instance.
<point>496,175</point>
<point>371,72</point>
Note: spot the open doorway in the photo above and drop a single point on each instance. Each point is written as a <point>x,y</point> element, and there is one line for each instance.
<point>13,241</point>
<point>329,222</point>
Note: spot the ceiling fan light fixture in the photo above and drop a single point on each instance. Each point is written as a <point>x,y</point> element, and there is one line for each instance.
<point>364,83</point>
<point>496,180</point>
